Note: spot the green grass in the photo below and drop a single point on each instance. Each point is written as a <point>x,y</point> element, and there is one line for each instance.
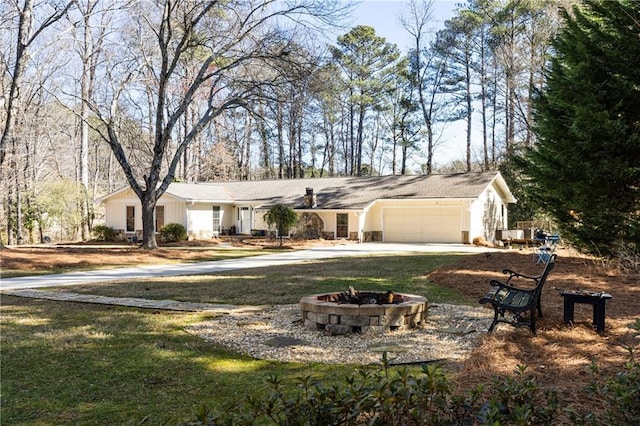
<point>287,284</point>
<point>72,363</point>
<point>67,363</point>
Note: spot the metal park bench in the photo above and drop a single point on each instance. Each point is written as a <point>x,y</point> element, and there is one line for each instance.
<point>506,297</point>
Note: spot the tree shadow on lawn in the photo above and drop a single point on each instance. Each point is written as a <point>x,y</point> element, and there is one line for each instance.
<point>81,363</point>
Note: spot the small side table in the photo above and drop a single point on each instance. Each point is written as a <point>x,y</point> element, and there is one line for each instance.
<point>595,298</point>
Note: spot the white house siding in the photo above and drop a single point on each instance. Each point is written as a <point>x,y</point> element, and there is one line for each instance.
<point>477,230</point>
<point>329,219</point>
<point>174,211</point>
<point>489,214</point>
<point>115,214</point>
<point>258,221</point>
<point>372,223</point>
<point>227,215</point>
<point>116,211</point>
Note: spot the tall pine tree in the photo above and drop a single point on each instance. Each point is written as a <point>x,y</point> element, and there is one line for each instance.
<point>585,170</point>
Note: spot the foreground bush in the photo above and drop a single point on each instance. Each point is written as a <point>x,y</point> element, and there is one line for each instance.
<point>103,233</point>
<point>172,232</point>
<point>386,397</point>
<point>389,398</point>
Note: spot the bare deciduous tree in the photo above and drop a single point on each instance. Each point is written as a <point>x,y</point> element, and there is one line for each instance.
<point>26,35</point>
<point>231,40</point>
<point>428,69</point>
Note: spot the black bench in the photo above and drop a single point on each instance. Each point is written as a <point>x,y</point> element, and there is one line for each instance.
<point>505,297</point>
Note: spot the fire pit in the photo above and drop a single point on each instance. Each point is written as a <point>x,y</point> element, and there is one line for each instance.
<point>368,312</point>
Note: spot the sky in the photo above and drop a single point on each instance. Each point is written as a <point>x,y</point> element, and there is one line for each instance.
<point>383,16</point>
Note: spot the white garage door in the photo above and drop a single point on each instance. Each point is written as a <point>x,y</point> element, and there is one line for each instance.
<point>426,224</point>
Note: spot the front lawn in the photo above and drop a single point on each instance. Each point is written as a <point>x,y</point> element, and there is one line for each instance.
<point>72,363</point>
<point>69,363</point>
<point>22,261</point>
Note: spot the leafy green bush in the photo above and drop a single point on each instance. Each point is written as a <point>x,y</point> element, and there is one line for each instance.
<point>519,400</point>
<point>103,233</point>
<point>621,393</point>
<point>387,397</point>
<point>173,232</point>
<point>384,397</point>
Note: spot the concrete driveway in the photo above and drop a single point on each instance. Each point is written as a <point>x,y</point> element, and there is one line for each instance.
<point>284,258</point>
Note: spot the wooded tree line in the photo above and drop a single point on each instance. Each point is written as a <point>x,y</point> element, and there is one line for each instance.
<point>100,94</point>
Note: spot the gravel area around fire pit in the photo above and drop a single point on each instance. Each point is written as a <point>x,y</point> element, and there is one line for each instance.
<point>276,333</point>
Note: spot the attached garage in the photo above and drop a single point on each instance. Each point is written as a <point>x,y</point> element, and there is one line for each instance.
<point>437,224</point>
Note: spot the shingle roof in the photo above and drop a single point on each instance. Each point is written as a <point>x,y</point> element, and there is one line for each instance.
<point>210,192</point>
<point>342,192</point>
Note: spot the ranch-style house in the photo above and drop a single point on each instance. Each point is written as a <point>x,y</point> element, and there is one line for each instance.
<point>437,208</point>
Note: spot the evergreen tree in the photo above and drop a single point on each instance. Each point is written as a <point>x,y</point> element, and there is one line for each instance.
<point>585,170</point>
<point>366,60</point>
<point>282,217</point>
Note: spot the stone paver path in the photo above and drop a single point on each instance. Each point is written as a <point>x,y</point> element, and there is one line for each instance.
<point>133,302</point>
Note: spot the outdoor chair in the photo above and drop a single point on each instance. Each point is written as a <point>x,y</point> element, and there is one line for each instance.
<point>547,249</point>
<point>505,297</point>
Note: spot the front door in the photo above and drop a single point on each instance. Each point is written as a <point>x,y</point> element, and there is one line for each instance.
<point>342,225</point>
<point>244,220</point>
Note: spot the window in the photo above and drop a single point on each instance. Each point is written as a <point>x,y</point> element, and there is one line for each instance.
<point>131,218</point>
<point>216,219</point>
<point>159,218</point>
<point>342,225</point>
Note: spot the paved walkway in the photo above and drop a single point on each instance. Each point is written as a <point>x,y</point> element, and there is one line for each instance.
<point>26,286</point>
<point>133,302</point>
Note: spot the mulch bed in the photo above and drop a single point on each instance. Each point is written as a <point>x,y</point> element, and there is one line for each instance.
<point>559,356</point>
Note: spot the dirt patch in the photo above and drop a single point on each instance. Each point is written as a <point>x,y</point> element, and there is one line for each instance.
<point>33,259</point>
<point>558,356</point>
<point>93,255</point>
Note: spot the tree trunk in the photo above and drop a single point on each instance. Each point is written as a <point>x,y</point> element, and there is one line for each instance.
<point>22,46</point>
<point>84,138</point>
<point>469,109</point>
<point>9,213</point>
<point>280,130</point>
<point>360,136</point>
<point>429,147</point>
<point>148,220</point>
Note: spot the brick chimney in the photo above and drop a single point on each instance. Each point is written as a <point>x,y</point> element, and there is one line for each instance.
<point>310,199</point>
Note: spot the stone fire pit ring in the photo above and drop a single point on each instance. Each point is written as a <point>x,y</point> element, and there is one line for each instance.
<point>320,313</point>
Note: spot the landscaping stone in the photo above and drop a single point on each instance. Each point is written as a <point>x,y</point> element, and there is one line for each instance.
<point>337,329</point>
<point>387,347</point>
<point>284,341</point>
<point>318,313</point>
